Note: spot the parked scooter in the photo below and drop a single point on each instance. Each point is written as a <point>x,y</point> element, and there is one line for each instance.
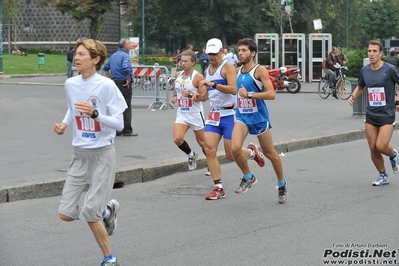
<point>285,78</point>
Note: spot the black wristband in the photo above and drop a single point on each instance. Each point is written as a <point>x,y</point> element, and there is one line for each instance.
<point>397,103</point>
<point>95,114</point>
<point>190,96</point>
<point>214,85</point>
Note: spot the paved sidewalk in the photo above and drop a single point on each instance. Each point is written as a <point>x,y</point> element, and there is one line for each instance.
<point>35,159</point>
<point>58,80</point>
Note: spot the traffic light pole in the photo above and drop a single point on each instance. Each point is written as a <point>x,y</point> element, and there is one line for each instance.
<point>1,36</point>
<point>142,29</point>
<point>287,5</point>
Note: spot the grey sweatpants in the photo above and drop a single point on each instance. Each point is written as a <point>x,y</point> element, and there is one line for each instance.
<point>95,168</point>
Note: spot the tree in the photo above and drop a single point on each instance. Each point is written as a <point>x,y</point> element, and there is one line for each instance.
<point>11,10</point>
<point>233,20</point>
<point>378,19</point>
<point>88,9</point>
<point>333,16</point>
<point>174,24</point>
<point>277,13</point>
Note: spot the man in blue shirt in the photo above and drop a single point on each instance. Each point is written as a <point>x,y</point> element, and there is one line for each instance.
<point>119,69</point>
<point>69,61</point>
<point>204,61</point>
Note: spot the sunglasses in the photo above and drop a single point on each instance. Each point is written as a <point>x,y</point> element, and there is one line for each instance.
<point>212,54</point>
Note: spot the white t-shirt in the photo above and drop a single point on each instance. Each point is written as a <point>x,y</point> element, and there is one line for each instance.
<point>232,58</point>
<point>104,96</point>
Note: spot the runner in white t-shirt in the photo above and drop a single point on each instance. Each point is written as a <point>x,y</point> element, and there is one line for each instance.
<point>95,106</point>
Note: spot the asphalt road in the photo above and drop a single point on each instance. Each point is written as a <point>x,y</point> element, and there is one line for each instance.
<point>331,208</point>
<point>32,153</point>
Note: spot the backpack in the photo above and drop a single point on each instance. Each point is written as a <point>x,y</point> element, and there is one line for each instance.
<point>324,63</point>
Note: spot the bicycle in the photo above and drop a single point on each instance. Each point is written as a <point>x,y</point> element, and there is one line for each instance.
<point>342,86</point>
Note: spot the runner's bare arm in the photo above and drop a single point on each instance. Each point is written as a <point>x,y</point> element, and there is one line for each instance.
<point>229,72</point>
<point>202,94</point>
<point>356,93</point>
<point>262,74</point>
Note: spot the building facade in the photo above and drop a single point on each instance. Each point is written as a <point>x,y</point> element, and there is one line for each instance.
<point>47,28</point>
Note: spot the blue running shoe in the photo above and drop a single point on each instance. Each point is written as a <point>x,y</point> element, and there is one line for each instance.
<point>110,263</point>
<point>381,180</point>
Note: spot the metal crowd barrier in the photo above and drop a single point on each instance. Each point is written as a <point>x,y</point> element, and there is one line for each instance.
<point>153,82</point>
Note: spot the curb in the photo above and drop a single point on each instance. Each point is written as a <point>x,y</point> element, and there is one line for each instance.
<point>62,85</point>
<point>149,172</point>
<point>5,77</point>
<point>30,75</point>
<point>33,83</point>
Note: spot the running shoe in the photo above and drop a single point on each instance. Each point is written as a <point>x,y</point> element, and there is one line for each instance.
<point>111,222</point>
<point>282,193</point>
<point>395,162</point>
<point>192,162</point>
<point>110,263</point>
<point>208,173</point>
<point>216,193</point>
<point>246,184</point>
<point>258,156</point>
<point>381,180</point>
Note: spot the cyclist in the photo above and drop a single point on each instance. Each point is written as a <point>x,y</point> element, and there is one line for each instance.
<point>343,57</point>
<point>331,67</point>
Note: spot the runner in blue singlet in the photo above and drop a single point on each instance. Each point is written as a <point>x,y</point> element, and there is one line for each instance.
<point>254,86</point>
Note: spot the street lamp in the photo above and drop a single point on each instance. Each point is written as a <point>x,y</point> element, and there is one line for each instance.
<point>142,29</point>
<point>1,36</point>
<point>347,25</point>
<point>128,29</point>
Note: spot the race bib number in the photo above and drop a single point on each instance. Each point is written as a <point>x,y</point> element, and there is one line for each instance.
<point>85,123</point>
<point>246,106</point>
<point>376,96</point>
<point>184,102</point>
<point>213,118</point>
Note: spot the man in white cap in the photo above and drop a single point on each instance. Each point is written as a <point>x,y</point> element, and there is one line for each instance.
<point>220,79</point>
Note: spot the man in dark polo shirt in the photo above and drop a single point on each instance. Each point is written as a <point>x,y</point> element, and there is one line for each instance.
<point>119,69</point>
<point>378,79</point>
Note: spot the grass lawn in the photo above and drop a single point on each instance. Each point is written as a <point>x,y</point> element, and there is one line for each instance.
<point>53,64</point>
<point>15,64</point>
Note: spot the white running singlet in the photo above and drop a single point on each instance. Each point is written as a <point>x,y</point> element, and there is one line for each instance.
<point>219,99</point>
<point>186,104</point>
